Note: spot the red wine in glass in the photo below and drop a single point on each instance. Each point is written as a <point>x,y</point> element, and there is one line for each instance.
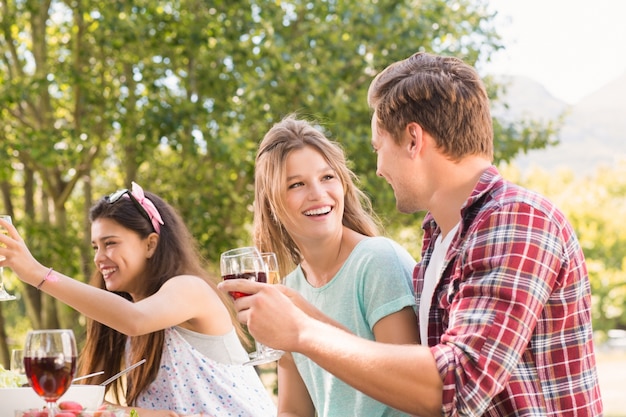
<point>50,363</point>
<point>252,276</point>
<point>50,377</point>
<point>244,262</point>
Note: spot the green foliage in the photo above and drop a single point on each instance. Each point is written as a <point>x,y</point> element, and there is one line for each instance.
<point>176,95</point>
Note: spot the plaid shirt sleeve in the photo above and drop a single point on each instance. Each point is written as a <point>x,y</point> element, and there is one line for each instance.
<point>514,313</point>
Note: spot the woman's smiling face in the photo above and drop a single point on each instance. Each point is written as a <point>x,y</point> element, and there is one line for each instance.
<point>314,196</point>
<point>120,254</point>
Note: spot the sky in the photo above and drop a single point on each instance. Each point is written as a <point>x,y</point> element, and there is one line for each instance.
<point>571,47</point>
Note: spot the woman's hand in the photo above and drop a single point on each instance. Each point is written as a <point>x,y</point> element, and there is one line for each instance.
<point>18,257</point>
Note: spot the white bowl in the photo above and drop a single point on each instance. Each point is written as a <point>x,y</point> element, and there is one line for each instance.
<point>23,398</point>
<point>89,396</point>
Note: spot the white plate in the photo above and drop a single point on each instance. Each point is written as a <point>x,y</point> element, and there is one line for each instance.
<point>23,398</point>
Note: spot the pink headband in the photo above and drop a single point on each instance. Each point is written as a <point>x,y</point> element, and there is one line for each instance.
<point>148,206</point>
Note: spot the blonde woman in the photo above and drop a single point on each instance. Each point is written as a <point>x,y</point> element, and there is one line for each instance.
<point>309,211</point>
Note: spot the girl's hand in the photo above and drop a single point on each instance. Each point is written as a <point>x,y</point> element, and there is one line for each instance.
<point>18,257</point>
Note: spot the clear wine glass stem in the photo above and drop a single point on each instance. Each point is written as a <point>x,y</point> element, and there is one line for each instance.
<point>52,408</point>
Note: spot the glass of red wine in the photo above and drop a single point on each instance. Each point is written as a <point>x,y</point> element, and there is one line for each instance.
<point>248,263</point>
<point>50,363</point>
<point>243,263</point>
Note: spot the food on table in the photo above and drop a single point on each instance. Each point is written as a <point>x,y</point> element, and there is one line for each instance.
<point>11,379</point>
<point>74,409</point>
<point>70,406</point>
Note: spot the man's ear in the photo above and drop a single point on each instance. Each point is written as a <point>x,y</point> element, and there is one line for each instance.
<point>152,242</point>
<point>414,134</point>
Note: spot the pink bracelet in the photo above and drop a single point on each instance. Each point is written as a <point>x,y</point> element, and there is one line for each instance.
<point>48,277</point>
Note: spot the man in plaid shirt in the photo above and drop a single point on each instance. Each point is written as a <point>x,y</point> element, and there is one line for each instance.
<point>502,287</point>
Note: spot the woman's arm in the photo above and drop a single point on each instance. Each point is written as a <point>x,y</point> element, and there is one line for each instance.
<point>398,328</point>
<point>194,299</point>
<point>191,296</point>
<point>293,397</point>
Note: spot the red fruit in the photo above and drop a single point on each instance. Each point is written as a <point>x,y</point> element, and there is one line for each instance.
<point>66,414</point>
<point>70,406</point>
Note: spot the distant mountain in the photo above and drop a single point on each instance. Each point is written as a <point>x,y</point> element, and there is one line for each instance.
<point>594,133</point>
<point>527,98</point>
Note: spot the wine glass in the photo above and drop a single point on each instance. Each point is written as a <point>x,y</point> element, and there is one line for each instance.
<point>247,263</point>
<point>265,354</point>
<point>17,366</point>
<point>17,361</point>
<point>4,295</point>
<point>50,363</point>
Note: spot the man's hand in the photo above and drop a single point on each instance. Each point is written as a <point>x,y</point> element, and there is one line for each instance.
<point>272,316</point>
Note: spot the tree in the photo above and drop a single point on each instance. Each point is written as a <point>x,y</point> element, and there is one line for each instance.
<point>176,96</point>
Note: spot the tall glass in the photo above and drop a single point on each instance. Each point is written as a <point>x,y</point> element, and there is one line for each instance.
<point>17,361</point>
<point>4,295</point>
<point>265,354</point>
<point>248,263</point>
<point>50,363</point>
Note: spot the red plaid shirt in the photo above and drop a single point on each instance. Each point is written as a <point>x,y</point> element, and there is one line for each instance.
<point>510,321</point>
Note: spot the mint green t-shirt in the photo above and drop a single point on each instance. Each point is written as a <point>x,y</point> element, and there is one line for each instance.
<point>375,281</point>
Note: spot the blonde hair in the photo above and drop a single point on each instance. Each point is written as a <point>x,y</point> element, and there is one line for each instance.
<point>284,137</point>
